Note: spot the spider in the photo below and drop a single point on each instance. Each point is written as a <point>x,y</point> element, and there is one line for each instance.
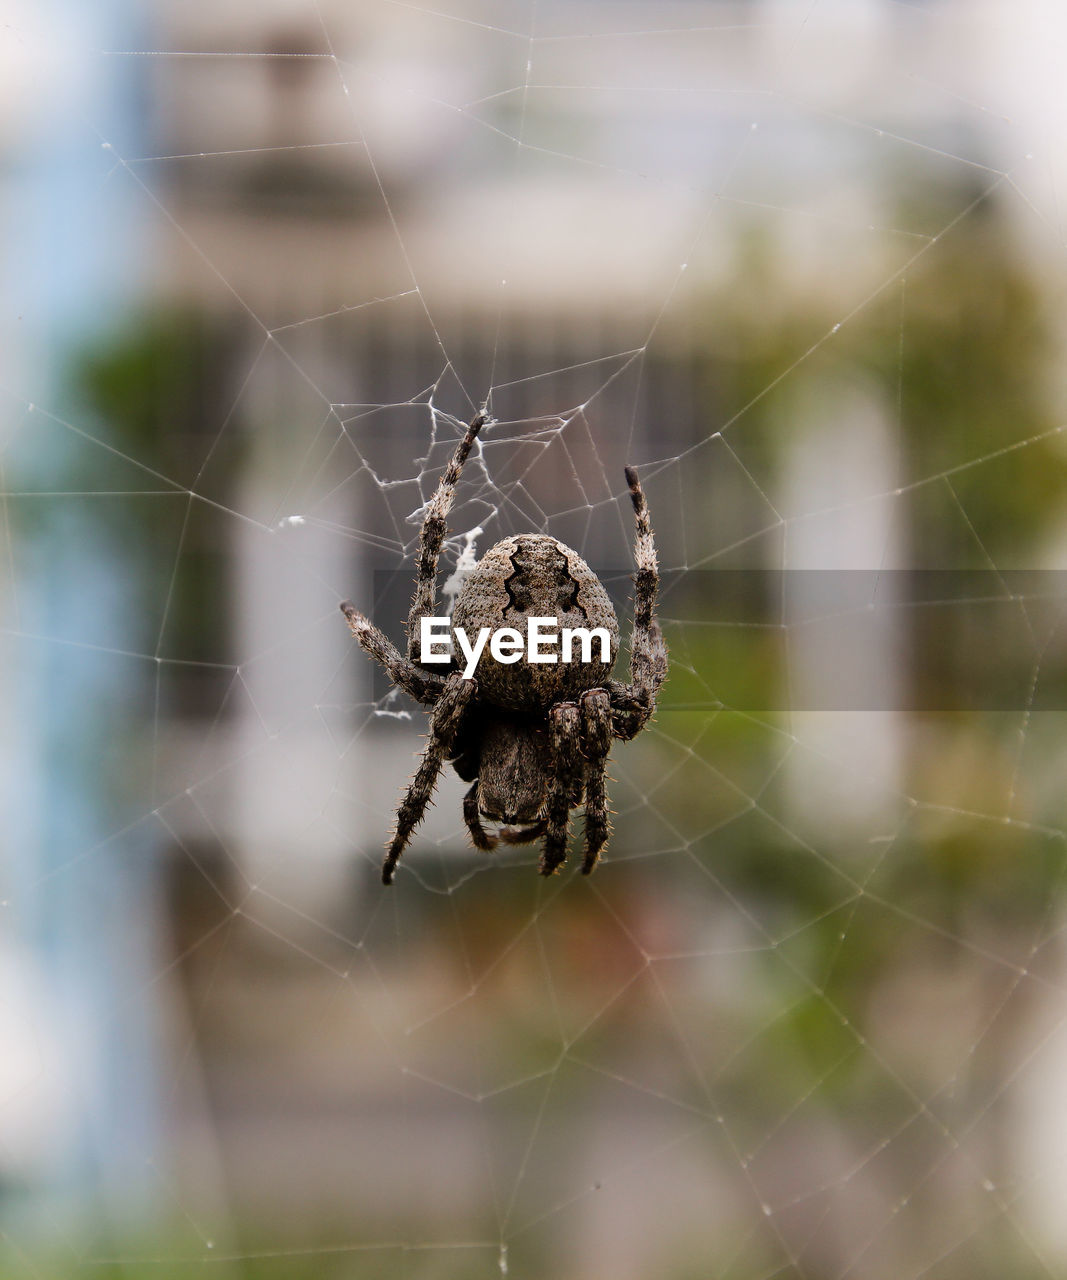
<point>532,740</point>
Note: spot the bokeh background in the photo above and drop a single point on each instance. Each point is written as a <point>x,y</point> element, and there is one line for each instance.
<point>802,262</point>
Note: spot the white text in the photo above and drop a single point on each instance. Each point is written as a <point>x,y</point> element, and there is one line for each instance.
<point>507,645</point>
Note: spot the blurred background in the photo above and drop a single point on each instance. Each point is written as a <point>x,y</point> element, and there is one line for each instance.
<point>803,263</point>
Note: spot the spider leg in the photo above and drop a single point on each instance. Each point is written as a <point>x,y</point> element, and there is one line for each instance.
<point>480,838</point>
<point>635,702</point>
<point>565,789</point>
<point>597,821</point>
<point>596,732</point>
<point>444,722</point>
<point>433,534</point>
<point>422,685</point>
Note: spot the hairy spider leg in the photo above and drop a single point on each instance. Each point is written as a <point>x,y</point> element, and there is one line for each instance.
<point>565,722</point>
<point>433,534</point>
<point>444,724</point>
<point>596,739</point>
<point>635,702</point>
<point>423,686</point>
<point>480,838</point>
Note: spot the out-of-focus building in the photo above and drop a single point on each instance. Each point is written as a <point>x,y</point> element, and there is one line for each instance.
<point>384,205</point>
<point>384,202</point>
<point>365,218</point>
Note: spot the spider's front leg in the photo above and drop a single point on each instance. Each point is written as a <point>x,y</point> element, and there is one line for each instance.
<point>423,686</point>
<point>565,787</point>
<point>433,534</point>
<point>444,725</point>
<point>634,703</point>
<point>596,738</point>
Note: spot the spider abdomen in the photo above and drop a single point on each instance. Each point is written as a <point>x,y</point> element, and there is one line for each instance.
<point>512,775</point>
<point>536,576</point>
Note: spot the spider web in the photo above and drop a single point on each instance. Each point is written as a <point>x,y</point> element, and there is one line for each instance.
<point>799,264</point>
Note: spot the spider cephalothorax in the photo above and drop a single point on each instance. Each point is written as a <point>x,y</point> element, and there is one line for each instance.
<point>532,737</point>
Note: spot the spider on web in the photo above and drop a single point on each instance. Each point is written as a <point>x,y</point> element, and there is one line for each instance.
<point>531,737</point>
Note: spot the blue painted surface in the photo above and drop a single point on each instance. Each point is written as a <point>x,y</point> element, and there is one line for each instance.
<point>83,910</point>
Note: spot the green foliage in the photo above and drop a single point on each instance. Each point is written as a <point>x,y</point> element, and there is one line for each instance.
<point>961,349</point>
<point>161,389</point>
<point>160,394</point>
